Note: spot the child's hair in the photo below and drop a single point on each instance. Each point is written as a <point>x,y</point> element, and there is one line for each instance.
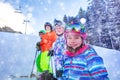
<point>74,50</point>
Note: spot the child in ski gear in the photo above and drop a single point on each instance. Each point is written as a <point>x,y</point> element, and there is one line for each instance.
<point>48,38</point>
<point>43,51</point>
<point>51,35</point>
<point>81,62</point>
<point>43,60</point>
<point>58,47</point>
<point>41,33</point>
<point>59,27</point>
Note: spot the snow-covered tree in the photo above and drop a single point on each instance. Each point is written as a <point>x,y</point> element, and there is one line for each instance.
<point>113,23</point>
<point>103,23</point>
<point>81,14</point>
<point>65,18</point>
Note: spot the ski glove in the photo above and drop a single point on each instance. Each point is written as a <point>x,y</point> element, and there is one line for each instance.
<point>59,73</point>
<point>47,76</point>
<point>38,46</point>
<point>51,52</point>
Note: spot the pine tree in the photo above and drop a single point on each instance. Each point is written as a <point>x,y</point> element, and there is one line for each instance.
<point>104,23</point>
<point>65,19</point>
<point>113,22</point>
<point>96,20</point>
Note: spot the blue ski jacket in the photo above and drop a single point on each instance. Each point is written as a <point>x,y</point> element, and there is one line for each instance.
<point>85,64</point>
<point>59,48</point>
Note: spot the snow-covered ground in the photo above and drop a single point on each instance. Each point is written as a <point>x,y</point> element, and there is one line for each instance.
<point>111,60</point>
<point>17,52</point>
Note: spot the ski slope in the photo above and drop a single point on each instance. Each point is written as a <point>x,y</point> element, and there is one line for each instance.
<point>17,52</point>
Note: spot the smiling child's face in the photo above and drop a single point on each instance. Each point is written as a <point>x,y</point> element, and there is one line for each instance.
<point>73,40</point>
<point>48,29</point>
<point>59,30</point>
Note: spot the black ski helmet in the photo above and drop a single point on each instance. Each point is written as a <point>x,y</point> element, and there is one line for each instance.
<point>48,24</point>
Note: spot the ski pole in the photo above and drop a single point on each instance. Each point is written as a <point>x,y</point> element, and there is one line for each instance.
<point>31,74</point>
<point>53,66</point>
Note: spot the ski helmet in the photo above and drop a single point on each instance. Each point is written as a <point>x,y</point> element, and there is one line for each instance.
<point>76,28</point>
<point>48,24</point>
<point>57,22</point>
<point>42,31</point>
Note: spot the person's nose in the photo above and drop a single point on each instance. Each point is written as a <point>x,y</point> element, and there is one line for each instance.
<point>72,41</point>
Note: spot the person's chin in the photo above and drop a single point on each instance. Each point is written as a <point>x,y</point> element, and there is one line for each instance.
<point>74,47</point>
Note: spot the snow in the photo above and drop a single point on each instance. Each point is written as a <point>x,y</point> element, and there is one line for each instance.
<point>17,52</point>
<point>111,60</point>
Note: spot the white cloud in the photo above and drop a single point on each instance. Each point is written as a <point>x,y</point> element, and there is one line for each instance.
<point>8,17</point>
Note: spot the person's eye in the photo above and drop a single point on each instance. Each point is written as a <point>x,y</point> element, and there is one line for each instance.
<point>68,37</point>
<point>77,37</point>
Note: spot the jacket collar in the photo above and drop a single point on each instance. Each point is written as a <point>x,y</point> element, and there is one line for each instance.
<point>81,50</point>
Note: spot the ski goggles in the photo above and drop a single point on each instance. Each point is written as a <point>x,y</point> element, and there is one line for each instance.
<point>58,24</point>
<point>76,27</point>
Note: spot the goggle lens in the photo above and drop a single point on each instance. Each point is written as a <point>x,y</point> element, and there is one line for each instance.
<point>77,27</point>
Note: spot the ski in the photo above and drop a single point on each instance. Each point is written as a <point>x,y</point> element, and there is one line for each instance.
<point>19,76</point>
<point>23,76</point>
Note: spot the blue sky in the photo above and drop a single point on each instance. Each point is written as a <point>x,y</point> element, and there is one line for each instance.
<point>40,11</point>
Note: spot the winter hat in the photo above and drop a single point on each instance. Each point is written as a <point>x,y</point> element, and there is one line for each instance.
<point>76,28</point>
<point>48,24</point>
<point>42,31</point>
<point>58,23</point>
